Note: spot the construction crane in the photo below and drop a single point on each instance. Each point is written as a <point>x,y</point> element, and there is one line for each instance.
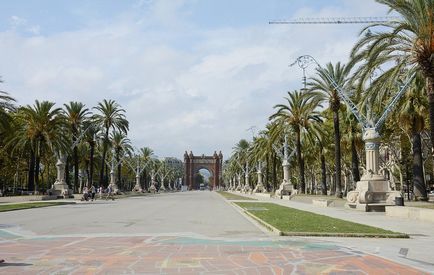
<point>337,20</point>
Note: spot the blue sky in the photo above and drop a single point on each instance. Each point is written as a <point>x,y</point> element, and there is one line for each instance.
<point>191,74</point>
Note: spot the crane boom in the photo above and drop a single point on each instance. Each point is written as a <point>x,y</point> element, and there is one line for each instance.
<point>336,20</point>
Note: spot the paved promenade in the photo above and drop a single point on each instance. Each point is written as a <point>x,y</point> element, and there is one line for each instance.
<point>416,251</point>
<point>177,233</point>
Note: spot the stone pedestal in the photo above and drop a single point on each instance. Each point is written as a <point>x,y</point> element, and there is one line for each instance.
<point>373,192</point>
<point>247,189</point>
<point>112,184</point>
<point>260,186</point>
<point>239,186</point>
<point>137,187</point>
<point>60,188</point>
<point>285,187</point>
<point>162,187</point>
<point>152,188</point>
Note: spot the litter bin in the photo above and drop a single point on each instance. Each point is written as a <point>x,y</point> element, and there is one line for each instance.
<point>399,201</point>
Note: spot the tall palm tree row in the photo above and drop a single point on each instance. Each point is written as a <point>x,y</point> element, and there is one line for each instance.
<point>326,91</point>
<point>75,113</point>
<point>32,135</point>
<point>299,112</point>
<point>382,60</point>
<point>109,116</point>
<point>121,145</point>
<point>39,130</point>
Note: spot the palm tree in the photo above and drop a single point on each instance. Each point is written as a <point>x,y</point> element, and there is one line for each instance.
<point>318,138</point>
<point>241,151</point>
<point>326,91</point>
<point>6,106</point>
<point>40,128</point>
<point>298,112</point>
<point>110,116</point>
<point>121,145</point>
<point>411,117</point>
<point>355,137</point>
<point>90,137</point>
<point>146,155</point>
<point>406,41</point>
<point>75,113</point>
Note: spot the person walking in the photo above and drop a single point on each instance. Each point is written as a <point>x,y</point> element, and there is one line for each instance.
<point>93,192</point>
<point>110,193</point>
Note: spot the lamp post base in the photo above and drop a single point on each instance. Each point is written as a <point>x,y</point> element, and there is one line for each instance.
<point>152,188</point>
<point>259,188</point>
<point>137,188</point>
<point>247,189</point>
<point>372,194</point>
<point>285,188</point>
<point>60,189</point>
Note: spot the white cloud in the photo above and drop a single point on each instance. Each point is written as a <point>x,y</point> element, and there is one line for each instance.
<point>202,95</point>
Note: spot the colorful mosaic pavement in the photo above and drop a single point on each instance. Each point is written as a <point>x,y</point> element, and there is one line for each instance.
<point>182,255</point>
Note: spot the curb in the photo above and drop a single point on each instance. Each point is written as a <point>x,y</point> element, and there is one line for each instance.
<point>250,218</point>
<point>265,227</point>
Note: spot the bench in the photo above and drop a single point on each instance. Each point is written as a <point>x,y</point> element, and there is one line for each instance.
<point>321,202</point>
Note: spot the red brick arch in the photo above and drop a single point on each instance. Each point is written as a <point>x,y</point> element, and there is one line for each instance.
<point>192,164</point>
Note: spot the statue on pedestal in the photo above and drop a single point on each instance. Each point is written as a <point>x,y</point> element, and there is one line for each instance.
<point>60,188</point>
<point>260,186</point>
<point>286,187</point>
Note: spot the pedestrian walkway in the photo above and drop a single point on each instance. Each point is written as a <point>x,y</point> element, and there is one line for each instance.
<point>175,233</point>
<point>415,251</point>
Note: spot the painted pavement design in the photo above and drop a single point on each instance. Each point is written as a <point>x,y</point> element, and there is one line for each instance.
<point>123,254</point>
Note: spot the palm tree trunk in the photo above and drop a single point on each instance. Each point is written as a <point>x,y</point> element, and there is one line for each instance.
<point>92,152</point>
<point>354,158</point>
<point>119,174</point>
<point>145,176</point>
<point>430,92</point>
<point>104,152</point>
<point>37,168</point>
<point>337,152</point>
<point>75,157</point>
<point>323,175</point>
<point>31,174</point>
<point>267,184</point>
<point>67,172</point>
<point>274,171</point>
<point>300,163</point>
<point>418,179</point>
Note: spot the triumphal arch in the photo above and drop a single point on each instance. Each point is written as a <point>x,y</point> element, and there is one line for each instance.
<point>192,165</point>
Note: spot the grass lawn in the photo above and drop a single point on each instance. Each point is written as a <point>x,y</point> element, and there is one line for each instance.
<point>230,196</point>
<point>20,206</point>
<point>292,221</point>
